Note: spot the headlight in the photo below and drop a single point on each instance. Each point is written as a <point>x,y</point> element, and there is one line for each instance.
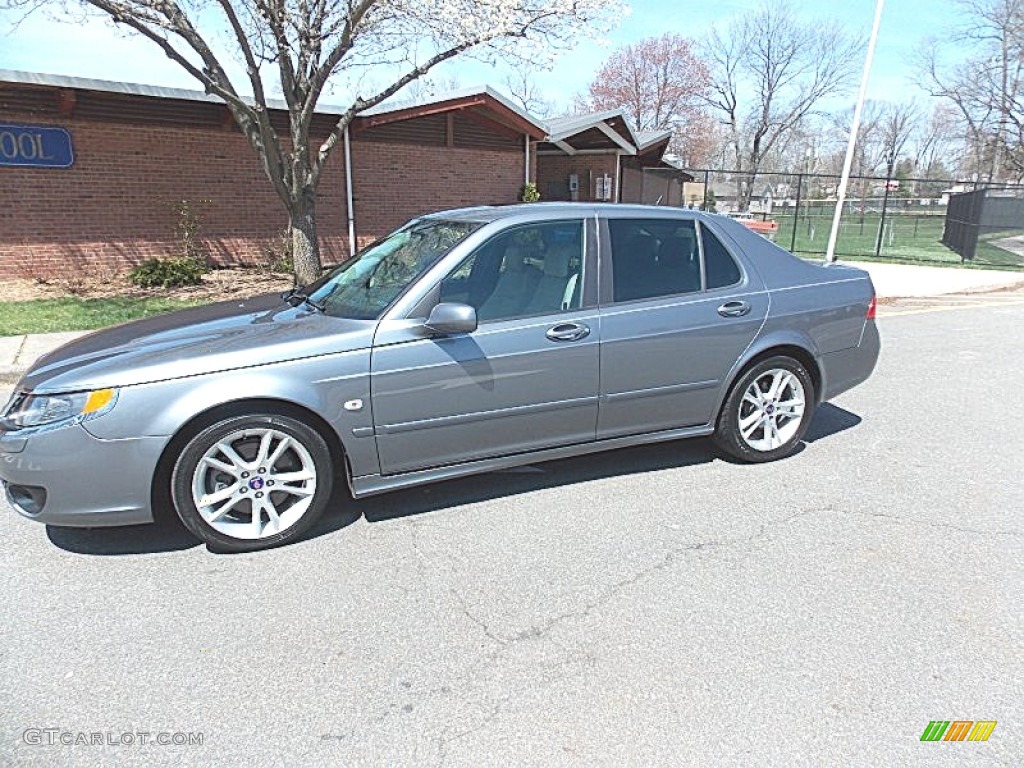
<point>28,411</point>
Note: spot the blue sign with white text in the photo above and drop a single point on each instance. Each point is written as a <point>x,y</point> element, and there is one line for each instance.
<point>41,146</point>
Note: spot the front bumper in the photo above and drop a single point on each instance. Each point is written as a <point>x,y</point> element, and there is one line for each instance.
<point>88,482</point>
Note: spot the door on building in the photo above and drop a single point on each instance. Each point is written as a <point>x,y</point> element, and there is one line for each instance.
<point>526,379</point>
<point>677,311</point>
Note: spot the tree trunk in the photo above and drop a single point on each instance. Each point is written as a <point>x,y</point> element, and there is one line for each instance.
<point>305,246</point>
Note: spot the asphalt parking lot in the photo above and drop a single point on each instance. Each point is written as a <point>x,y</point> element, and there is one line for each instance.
<point>653,606</point>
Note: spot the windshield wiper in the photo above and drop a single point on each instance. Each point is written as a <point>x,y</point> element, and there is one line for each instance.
<point>296,297</point>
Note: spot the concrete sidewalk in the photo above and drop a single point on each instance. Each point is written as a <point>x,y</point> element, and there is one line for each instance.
<point>905,281</point>
<point>891,281</point>
<point>17,353</point>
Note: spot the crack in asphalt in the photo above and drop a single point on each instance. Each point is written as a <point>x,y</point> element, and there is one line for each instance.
<point>612,591</point>
<point>541,631</point>
<point>668,559</point>
<point>443,742</point>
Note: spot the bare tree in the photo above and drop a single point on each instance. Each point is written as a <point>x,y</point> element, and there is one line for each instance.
<point>525,92</point>
<point>985,84</point>
<point>304,43</point>
<point>897,126</point>
<point>769,72</point>
<point>428,87</point>
<point>934,139</point>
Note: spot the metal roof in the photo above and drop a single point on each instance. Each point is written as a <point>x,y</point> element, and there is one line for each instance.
<point>561,127</point>
<point>394,105</point>
<point>556,129</point>
<point>646,139</point>
<point>131,89</point>
<point>139,89</point>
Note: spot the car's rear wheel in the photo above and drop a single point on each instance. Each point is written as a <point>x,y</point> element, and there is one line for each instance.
<point>251,482</point>
<point>767,412</point>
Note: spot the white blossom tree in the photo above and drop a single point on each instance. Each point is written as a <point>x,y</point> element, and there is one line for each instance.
<point>295,47</point>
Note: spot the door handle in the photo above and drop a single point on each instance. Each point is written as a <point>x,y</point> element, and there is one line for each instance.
<point>568,332</point>
<point>734,309</point>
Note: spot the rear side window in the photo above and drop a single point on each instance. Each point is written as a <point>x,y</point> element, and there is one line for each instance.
<point>719,265</point>
<point>653,258</point>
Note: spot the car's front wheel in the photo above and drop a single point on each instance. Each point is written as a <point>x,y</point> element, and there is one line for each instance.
<point>767,411</point>
<point>251,482</point>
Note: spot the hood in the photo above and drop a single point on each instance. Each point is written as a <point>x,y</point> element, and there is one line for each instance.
<point>216,337</point>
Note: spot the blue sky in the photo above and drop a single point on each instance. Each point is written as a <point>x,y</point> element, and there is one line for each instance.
<point>94,49</point>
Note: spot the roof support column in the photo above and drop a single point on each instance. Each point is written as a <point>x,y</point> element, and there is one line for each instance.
<point>618,176</point>
<point>349,204</point>
<point>526,158</point>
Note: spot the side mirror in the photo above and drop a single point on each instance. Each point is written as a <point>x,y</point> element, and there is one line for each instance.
<point>449,318</point>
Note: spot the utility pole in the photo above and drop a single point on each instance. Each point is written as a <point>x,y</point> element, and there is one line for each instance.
<point>830,251</point>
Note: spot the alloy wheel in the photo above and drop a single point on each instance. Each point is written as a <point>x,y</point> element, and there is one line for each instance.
<point>254,483</point>
<point>771,409</point>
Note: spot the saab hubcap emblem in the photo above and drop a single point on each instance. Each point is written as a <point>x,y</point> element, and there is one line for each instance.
<point>256,483</point>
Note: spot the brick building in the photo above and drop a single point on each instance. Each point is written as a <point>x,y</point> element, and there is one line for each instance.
<point>599,157</point>
<point>134,151</point>
<point>90,170</point>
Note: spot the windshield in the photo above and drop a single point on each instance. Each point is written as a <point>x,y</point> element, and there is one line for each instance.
<point>365,286</point>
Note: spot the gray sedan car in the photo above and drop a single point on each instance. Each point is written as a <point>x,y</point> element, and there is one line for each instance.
<point>467,341</point>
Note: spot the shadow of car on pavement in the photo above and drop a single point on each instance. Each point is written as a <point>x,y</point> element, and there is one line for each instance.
<point>167,534</point>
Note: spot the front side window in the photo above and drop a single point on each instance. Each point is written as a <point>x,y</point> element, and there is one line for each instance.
<point>363,287</point>
<point>653,258</point>
<point>528,270</point>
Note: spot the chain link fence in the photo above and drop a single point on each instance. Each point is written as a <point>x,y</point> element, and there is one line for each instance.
<point>912,220</point>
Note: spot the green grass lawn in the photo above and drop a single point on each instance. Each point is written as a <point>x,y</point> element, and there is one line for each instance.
<point>907,238</point>
<point>72,314</point>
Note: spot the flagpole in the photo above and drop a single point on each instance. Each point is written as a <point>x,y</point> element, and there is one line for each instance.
<point>830,252</point>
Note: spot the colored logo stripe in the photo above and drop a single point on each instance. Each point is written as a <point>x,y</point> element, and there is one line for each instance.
<point>982,730</point>
<point>958,730</point>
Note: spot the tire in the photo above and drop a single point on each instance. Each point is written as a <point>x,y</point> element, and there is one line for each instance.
<point>219,476</point>
<point>758,429</point>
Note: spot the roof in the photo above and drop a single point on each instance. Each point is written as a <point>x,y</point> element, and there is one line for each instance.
<point>392,105</point>
<point>612,122</point>
<point>646,139</point>
<point>608,130</point>
<point>465,98</point>
<point>132,89</point>
<point>460,99</point>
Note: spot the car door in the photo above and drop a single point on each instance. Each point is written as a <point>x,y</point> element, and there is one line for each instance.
<point>677,311</point>
<point>527,378</point>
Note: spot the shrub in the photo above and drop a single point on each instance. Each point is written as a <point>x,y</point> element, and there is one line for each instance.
<point>529,193</point>
<point>187,228</point>
<point>276,253</point>
<point>168,273</point>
